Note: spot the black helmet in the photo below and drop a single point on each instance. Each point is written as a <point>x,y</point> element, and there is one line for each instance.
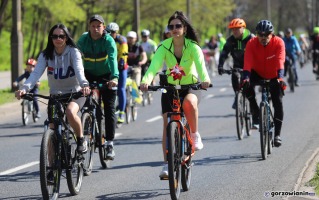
<point>264,26</point>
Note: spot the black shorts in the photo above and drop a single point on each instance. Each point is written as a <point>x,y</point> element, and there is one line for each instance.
<point>167,98</point>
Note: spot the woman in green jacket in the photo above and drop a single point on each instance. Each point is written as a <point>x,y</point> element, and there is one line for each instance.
<point>182,50</point>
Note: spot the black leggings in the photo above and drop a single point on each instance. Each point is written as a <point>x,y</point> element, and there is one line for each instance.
<point>276,97</point>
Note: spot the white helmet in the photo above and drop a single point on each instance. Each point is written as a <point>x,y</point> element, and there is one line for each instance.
<point>132,34</point>
<point>145,32</point>
<point>112,27</point>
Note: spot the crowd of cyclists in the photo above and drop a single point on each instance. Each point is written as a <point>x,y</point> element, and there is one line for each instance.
<point>105,56</point>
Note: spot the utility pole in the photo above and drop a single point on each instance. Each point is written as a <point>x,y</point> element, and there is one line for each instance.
<point>268,10</point>
<point>136,26</point>
<point>16,41</point>
<point>188,7</point>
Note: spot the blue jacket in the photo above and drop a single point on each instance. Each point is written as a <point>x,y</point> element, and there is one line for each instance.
<point>292,46</point>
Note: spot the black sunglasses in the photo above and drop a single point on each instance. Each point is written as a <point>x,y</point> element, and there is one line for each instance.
<point>54,37</point>
<point>263,34</point>
<point>177,26</point>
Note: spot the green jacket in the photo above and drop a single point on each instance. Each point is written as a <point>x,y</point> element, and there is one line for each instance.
<point>99,56</point>
<point>192,61</point>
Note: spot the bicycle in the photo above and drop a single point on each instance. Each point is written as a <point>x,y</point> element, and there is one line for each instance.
<point>266,120</point>
<point>131,108</point>
<point>93,123</point>
<point>58,149</point>
<point>27,110</point>
<point>179,143</point>
<point>291,74</point>
<point>243,113</point>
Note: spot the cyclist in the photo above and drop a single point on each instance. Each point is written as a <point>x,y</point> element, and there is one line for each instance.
<point>100,64</point>
<point>235,45</point>
<point>293,50</point>
<point>65,73</point>
<point>29,68</point>
<point>136,57</point>
<point>221,41</point>
<point>314,38</point>
<point>181,49</point>
<point>264,59</point>
<point>122,52</point>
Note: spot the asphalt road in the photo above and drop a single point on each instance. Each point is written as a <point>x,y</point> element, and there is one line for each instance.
<point>225,169</point>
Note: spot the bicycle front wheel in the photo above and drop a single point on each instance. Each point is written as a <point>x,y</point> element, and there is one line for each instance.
<point>240,120</point>
<point>25,112</point>
<point>100,139</point>
<point>87,125</point>
<point>263,128</point>
<point>248,116</point>
<point>291,79</point>
<point>187,160</point>
<point>50,171</point>
<point>174,159</point>
<point>74,172</point>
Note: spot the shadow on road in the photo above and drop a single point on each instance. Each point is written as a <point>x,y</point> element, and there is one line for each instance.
<point>229,159</point>
<point>142,194</point>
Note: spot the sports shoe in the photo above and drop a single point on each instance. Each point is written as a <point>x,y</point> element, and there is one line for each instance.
<point>38,115</point>
<point>109,154</point>
<point>82,146</point>
<point>120,118</point>
<point>197,141</point>
<point>277,141</point>
<point>164,172</point>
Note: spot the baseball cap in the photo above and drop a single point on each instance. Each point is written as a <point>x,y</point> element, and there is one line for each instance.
<point>97,18</point>
<point>132,34</point>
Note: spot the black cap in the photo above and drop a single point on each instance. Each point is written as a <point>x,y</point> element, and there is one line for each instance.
<point>97,18</point>
<point>288,30</point>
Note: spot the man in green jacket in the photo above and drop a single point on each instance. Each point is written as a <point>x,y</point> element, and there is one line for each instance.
<point>100,65</point>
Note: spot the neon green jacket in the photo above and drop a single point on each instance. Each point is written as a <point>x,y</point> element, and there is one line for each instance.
<point>192,61</point>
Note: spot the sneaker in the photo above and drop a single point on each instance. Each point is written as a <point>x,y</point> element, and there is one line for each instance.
<point>297,85</point>
<point>82,147</point>
<point>197,141</point>
<point>120,118</point>
<point>164,172</point>
<point>38,115</point>
<point>110,154</point>
<point>277,141</point>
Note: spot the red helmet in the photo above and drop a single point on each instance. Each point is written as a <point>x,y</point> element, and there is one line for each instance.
<point>237,23</point>
<point>31,61</point>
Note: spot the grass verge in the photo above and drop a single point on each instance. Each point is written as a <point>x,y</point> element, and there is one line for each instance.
<point>314,182</point>
<point>7,96</point>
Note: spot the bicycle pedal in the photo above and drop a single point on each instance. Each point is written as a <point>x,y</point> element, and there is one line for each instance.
<point>163,178</point>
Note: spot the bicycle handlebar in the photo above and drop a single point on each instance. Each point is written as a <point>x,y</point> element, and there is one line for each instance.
<point>232,70</point>
<point>30,96</point>
<point>196,86</point>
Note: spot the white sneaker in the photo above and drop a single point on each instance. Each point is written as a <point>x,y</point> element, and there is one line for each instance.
<point>197,141</point>
<point>164,172</point>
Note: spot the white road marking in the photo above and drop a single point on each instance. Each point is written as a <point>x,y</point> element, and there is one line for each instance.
<point>209,96</point>
<point>154,118</point>
<point>223,89</point>
<point>10,171</point>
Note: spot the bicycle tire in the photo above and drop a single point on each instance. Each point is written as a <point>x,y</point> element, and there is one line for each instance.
<point>187,167</point>
<point>174,159</point>
<point>240,121</point>
<point>100,139</point>
<point>263,128</point>
<point>248,117</point>
<point>33,112</point>
<point>134,112</point>
<point>88,133</point>
<point>48,166</point>
<point>128,114</point>
<point>291,79</point>
<point>74,172</point>
<point>270,137</point>
<point>25,114</point>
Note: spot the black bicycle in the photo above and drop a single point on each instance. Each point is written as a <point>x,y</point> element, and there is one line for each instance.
<point>179,143</point>
<point>266,120</point>
<point>93,122</point>
<point>243,113</point>
<point>27,111</point>
<point>58,149</point>
<point>291,74</point>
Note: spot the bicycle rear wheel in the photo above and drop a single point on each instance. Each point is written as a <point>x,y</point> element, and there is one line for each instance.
<point>25,112</point>
<point>248,116</point>
<point>263,128</point>
<point>87,124</point>
<point>174,159</point>
<point>50,172</point>
<point>240,120</point>
<point>291,79</point>
<point>74,171</point>
<point>187,157</point>
<point>134,112</point>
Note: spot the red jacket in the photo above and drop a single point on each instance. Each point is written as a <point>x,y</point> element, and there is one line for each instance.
<point>265,60</point>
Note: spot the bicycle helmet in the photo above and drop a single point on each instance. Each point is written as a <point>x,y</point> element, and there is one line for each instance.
<point>112,27</point>
<point>31,61</point>
<point>316,30</point>
<point>237,23</point>
<point>264,26</point>
<point>131,34</point>
<point>145,32</point>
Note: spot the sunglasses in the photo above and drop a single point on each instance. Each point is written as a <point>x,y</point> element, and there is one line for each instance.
<point>55,37</point>
<point>263,34</point>
<point>177,26</point>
